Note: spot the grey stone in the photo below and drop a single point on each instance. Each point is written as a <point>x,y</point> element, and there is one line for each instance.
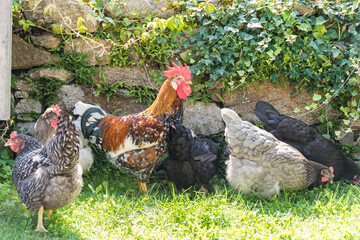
<point>21,94</point>
<point>356,156</point>
<point>130,76</point>
<point>69,95</point>
<point>61,74</point>
<point>243,102</point>
<point>346,138</point>
<point>24,118</point>
<point>304,10</point>
<point>25,56</point>
<point>64,12</point>
<point>98,49</point>
<point>26,127</point>
<point>22,85</point>
<point>28,106</point>
<point>142,7</point>
<point>204,119</point>
<point>46,40</point>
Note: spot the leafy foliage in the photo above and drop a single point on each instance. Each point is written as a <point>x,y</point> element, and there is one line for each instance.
<point>239,43</point>
<point>76,63</point>
<point>46,90</point>
<point>6,163</point>
<point>254,41</point>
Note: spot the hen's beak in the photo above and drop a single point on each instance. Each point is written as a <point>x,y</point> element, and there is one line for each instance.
<point>7,144</point>
<point>189,82</point>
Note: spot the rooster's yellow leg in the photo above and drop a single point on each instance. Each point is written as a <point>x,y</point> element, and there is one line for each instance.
<point>40,226</point>
<point>142,187</point>
<point>49,214</point>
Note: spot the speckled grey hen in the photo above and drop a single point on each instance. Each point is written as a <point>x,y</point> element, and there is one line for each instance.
<point>261,163</point>
<point>45,128</point>
<point>47,177</point>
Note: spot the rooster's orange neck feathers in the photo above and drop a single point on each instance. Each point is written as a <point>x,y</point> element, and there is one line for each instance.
<point>164,102</point>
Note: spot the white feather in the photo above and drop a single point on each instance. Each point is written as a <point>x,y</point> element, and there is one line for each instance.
<point>86,158</point>
<point>129,146</point>
<point>81,107</point>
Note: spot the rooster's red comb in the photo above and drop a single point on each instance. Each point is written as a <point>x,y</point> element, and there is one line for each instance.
<point>183,71</point>
<point>56,109</point>
<point>13,134</point>
<point>331,170</point>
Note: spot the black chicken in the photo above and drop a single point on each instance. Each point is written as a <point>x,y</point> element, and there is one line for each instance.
<point>47,177</point>
<point>191,159</point>
<point>308,141</point>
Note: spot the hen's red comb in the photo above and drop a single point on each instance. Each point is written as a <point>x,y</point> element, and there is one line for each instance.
<point>13,134</point>
<point>331,170</point>
<point>56,109</point>
<point>183,71</point>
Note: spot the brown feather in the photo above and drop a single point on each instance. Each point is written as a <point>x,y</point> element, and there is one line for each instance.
<point>116,129</point>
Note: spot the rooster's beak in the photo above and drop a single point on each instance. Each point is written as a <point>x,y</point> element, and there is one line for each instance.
<point>189,82</point>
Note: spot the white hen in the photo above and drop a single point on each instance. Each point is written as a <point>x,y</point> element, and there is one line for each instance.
<point>261,163</point>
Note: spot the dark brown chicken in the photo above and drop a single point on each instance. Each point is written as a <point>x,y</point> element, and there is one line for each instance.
<point>47,177</point>
<point>191,159</point>
<point>45,126</point>
<point>308,141</point>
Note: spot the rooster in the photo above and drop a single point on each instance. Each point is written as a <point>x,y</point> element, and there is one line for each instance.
<point>47,177</point>
<point>259,162</point>
<point>45,128</point>
<point>136,142</point>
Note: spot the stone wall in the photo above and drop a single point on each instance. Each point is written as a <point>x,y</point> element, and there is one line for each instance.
<point>204,119</point>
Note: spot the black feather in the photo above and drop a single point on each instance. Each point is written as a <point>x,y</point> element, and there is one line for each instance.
<point>191,159</point>
<point>306,140</point>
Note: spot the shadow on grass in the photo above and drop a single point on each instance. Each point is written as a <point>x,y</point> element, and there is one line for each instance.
<point>17,222</point>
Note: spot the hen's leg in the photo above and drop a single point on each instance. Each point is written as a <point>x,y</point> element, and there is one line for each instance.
<point>142,187</point>
<point>40,226</point>
<point>49,214</point>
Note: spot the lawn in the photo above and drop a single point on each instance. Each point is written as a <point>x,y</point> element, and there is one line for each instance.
<point>110,207</point>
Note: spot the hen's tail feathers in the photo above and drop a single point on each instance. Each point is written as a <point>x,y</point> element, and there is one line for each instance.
<point>229,115</point>
<point>267,114</point>
<point>65,144</point>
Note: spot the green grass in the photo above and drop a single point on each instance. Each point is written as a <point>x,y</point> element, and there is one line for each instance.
<point>110,207</point>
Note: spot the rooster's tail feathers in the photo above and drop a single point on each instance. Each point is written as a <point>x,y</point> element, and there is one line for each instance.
<point>229,115</point>
<point>81,107</point>
<point>90,121</point>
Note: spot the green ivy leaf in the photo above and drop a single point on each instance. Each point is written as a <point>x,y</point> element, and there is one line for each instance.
<point>254,23</point>
<point>306,27</point>
<point>346,121</point>
<point>319,31</point>
<point>316,97</point>
<point>241,73</point>
<point>313,45</point>
<point>231,29</point>
<point>320,20</point>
